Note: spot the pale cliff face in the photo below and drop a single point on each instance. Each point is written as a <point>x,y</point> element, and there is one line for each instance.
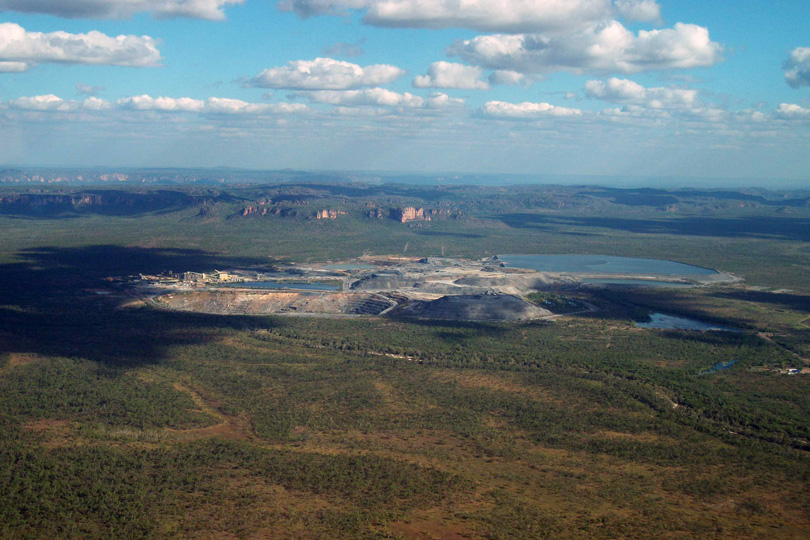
<point>330,214</point>
<point>412,214</point>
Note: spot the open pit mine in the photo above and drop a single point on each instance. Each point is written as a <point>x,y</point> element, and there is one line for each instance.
<point>428,288</point>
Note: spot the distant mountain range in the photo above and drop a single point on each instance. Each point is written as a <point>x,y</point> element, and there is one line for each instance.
<point>233,176</point>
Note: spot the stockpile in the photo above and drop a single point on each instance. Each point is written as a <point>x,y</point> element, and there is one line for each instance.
<point>480,307</point>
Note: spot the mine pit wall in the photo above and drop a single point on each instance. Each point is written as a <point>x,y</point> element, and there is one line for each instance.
<point>369,305</point>
<point>484,307</point>
<point>269,303</point>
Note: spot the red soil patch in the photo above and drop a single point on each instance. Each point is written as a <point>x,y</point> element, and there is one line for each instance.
<point>17,359</point>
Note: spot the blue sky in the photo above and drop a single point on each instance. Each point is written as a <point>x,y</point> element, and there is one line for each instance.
<point>614,87</point>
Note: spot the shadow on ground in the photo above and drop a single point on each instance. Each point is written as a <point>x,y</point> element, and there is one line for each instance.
<point>58,302</point>
<point>793,229</point>
<point>797,302</point>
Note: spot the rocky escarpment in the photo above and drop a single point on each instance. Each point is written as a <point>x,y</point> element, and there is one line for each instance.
<point>268,211</point>
<point>110,202</point>
<point>410,214</point>
<point>329,214</point>
<point>278,206</point>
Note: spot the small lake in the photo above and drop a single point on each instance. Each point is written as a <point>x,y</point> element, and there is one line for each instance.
<point>285,285</point>
<point>662,321</point>
<point>602,264</point>
<point>635,283</point>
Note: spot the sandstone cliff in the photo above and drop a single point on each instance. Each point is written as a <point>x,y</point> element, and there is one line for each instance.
<point>330,214</point>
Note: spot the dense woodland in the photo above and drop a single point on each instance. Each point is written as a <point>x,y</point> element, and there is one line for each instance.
<point>126,421</point>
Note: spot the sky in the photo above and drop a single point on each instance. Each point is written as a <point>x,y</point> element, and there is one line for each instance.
<point>675,88</point>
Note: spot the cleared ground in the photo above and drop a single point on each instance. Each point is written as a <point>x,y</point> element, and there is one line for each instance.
<point>243,302</point>
<point>431,288</point>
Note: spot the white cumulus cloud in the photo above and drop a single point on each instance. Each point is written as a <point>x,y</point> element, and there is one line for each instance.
<point>791,111</point>
<point>626,91</point>
<point>488,15</point>
<point>608,47</point>
<point>96,104</point>
<point>797,67</point>
<point>48,102</point>
<point>483,15</point>
<point>450,75</point>
<point>525,111</point>
<point>440,100</point>
<point>325,74</point>
<point>121,9</point>
<point>52,103</point>
<point>13,67</point>
<point>21,49</point>
<point>286,108</point>
<point>166,104</point>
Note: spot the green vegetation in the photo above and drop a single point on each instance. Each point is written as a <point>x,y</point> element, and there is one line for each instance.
<point>556,303</point>
<point>125,421</point>
<point>74,389</point>
<point>136,493</point>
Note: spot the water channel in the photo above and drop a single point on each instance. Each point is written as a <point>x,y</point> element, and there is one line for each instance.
<point>662,321</point>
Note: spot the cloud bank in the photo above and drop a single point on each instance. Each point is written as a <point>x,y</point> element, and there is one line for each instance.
<point>211,105</point>
<point>380,97</point>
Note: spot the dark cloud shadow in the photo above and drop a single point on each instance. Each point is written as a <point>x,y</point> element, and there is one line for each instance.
<point>769,228</point>
<point>661,197</point>
<point>57,302</point>
<point>797,302</point>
